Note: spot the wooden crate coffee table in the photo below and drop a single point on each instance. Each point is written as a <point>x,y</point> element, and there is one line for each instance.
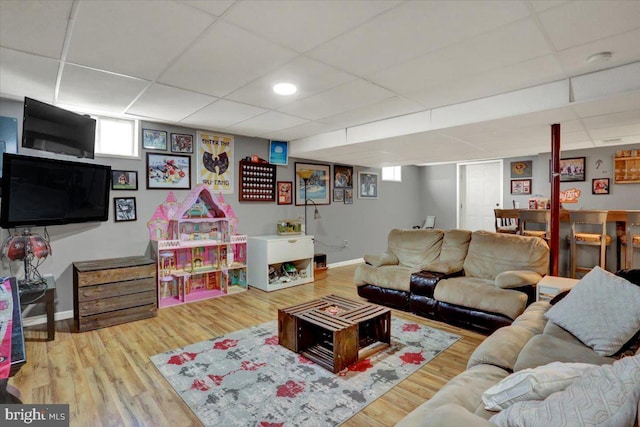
<point>334,331</point>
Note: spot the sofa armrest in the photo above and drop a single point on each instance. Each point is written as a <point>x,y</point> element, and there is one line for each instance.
<point>449,415</point>
<point>516,279</point>
<point>378,260</point>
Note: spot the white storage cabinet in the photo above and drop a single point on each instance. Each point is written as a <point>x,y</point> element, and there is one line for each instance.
<point>265,252</point>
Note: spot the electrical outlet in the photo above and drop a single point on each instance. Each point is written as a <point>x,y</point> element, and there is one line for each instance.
<point>346,244</point>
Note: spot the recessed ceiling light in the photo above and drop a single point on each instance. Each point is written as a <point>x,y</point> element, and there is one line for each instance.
<point>599,57</point>
<point>285,88</point>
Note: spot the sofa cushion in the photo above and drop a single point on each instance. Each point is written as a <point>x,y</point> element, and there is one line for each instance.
<point>543,349</point>
<point>602,310</point>
<point>455,245</point>
<point>384,258</point>
<point>501,348</point>
<point>464,390</point>
<point>449,415</point>
<point>514,279</point>
<point>532,384</point>
<point>492,253</point>
<point>533,317</point>
<point>388,276</point>
<point>415,248</point>
<point>481,294</point>
<point>606,396</point>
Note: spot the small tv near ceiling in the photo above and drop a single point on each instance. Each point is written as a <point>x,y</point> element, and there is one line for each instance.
<point>50,128</point>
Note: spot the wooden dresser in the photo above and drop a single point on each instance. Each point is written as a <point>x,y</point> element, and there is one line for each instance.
<point>111,291</point>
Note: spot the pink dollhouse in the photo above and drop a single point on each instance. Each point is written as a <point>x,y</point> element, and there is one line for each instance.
<point>199,253</point>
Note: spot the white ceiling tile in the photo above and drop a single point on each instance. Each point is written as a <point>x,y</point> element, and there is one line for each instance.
<point>269,121</point>
<point>311,77</point>
<point>302,25</point>
<point>222,114</point>
<point>615,119</point>
<point>223,60</point>
<point>621,131</point>
<point>137,38</point>
<point>300,131</point>
<point>389,107</point>
<point>168,103</point>
<point>540,5</point>
<point>578,22</point>
<point>97,90</point>
<point>525,74</point>
<point>216,8</point>
<point>413,29</point>
<point>350,96</point>
<point>615,104</point>
<point>625,48</point>
<point>37,27</point>
<point>513,44</point>
<point>22,75</point>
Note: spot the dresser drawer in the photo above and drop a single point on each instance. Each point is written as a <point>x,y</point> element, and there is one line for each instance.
<point>289,249</point>
<point>110,275</point>
<point>90,293</point>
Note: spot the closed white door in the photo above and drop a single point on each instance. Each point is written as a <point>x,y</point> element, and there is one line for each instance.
<point>479,193</point>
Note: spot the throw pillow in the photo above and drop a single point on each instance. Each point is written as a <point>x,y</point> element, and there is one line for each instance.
<point>532,384</point>
<point>606,396</point>
<point>602,310</point>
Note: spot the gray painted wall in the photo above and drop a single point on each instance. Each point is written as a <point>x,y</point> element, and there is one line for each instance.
<point>364,224</point>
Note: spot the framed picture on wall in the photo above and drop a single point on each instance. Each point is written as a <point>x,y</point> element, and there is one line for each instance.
<point>348,196</point>
<point>124,180</point>
<point>520,186</point>
<point>367,185</point>
<point>522,169</point>
<point>600,186</point>
<point>171,171</point>
<point>573,169</point>
<point>285,192</point>
<point>317,186</point>
<point>124,209</point>
<point>342,176</point>
<point>338,194</point>
<point>154,139</point>
<point>181,143</point>
<point>279,153</point>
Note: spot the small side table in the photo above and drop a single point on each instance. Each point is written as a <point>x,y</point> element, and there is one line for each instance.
<point>48,297</point>
<point>550,286</point>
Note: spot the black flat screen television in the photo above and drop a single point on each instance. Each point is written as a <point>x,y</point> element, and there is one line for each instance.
<point>49,128</point>
<point>38,191</point>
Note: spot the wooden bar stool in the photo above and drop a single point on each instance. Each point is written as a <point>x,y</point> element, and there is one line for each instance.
<point>630,240</point>
<point>534,216</point>
<point>506,220</point>
<point>591,221</point>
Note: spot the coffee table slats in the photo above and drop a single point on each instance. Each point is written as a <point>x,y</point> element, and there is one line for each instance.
<point>364,313</point>
<point>325,320</point>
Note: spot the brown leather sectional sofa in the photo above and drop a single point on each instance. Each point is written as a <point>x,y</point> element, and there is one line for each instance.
<point>480,280</point>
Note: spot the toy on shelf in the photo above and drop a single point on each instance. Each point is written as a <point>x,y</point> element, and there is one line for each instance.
<point>197,248</point>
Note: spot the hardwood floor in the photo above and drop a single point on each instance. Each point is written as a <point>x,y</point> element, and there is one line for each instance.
<point>108,380</point>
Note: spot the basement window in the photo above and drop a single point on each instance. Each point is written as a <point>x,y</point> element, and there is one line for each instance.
<point>392,173</point>
<point>116,137</point>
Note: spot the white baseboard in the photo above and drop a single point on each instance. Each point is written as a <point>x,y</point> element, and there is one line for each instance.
<point>63,315</point>
<point>347,262</point>
<point>38,320</point>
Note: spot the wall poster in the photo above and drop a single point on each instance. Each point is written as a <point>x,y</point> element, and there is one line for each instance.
<point>215,161</point>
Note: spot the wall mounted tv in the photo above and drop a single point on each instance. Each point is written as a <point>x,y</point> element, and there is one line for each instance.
<point>38,191</point>
<point>49,128</point>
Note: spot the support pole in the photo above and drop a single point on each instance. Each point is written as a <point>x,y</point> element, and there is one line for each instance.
<point>554,239</point>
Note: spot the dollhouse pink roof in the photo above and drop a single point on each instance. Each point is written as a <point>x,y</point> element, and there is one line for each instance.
<point>203,193</point>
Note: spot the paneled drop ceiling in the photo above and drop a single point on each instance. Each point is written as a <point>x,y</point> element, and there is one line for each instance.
<point>379,82</point>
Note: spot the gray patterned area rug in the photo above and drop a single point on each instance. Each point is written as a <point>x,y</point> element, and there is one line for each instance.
<point>246,379</point>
